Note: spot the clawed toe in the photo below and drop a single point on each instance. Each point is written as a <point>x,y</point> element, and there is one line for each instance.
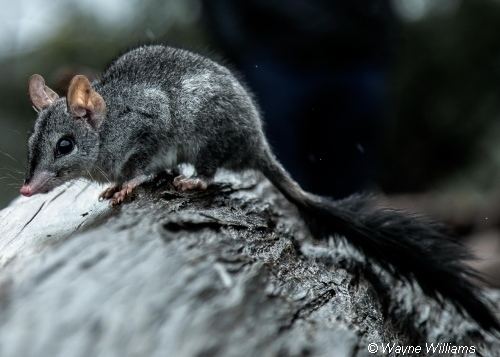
<point>125,193</point>
<point>109,192</point>
<point>117,193</point>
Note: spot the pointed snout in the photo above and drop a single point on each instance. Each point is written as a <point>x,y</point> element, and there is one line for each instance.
<point>26,190</point>
<point>40,182</point>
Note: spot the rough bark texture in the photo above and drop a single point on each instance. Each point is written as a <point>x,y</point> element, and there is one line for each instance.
<point>228,272</point>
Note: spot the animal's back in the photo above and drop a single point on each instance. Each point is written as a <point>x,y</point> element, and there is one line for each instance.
<point>213,119</point>
<point>158,65</point>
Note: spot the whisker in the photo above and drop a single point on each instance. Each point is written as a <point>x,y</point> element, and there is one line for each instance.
<point>92,178</point>
<point>9,156</point>
<point>103,173</point>
<point>13,185</point>
<point>11,176</point>
<point>16,132</point>
<point>12,171</point>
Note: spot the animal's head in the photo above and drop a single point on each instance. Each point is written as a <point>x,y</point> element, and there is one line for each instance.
<point>65,142</point>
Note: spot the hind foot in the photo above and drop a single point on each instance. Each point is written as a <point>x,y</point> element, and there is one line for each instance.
<point>183,183</point>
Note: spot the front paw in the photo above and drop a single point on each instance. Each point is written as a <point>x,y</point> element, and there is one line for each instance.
<point>126,193</point>
<point>109,192</point>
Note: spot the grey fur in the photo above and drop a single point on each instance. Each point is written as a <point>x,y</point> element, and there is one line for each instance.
<point>167,106</point>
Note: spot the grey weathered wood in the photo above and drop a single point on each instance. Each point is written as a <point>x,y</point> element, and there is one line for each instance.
<point>230,272</point>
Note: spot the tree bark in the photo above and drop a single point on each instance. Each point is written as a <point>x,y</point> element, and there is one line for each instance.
<point>228,272</point>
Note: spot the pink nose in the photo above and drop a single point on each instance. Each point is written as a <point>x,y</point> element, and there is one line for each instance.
<point>26,190</point>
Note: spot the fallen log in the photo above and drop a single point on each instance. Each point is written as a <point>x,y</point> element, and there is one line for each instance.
<point>228,272</point>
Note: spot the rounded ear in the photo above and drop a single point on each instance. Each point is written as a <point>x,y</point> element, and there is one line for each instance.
<point>41,96</point>
<point>84,102</point>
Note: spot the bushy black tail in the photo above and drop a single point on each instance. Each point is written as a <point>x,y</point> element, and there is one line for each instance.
<point>408,246</point>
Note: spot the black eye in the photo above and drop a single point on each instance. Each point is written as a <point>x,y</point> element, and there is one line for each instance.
<point>64,146</point>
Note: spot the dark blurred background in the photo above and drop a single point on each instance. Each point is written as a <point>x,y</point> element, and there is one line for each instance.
<point>397,96</point>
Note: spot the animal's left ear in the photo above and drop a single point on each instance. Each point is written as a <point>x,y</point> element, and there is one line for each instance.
<point>84,102</point>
